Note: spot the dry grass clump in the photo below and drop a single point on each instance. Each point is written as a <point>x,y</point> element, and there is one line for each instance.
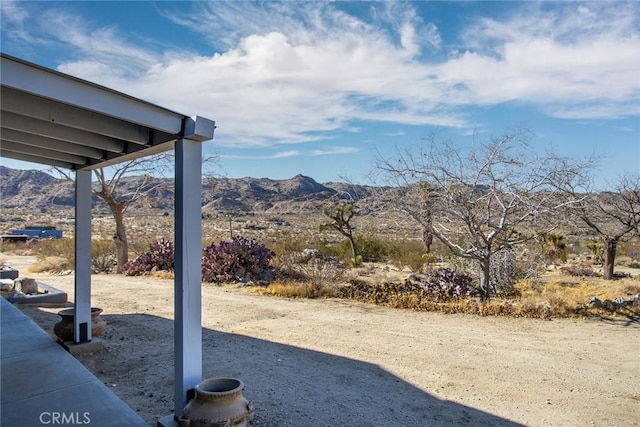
<point>51,264</point>
<point>298,290</point>
<point>163,274</point>
<point>17,248</point>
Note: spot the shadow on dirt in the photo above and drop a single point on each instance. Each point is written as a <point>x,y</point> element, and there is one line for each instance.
<point>289,386</point>
<point>633,321</point>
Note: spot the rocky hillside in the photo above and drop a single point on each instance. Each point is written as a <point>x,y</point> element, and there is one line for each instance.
<point>34,189</point>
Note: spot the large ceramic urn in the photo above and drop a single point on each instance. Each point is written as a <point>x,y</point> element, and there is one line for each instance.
<point>65,327</point>
<point>218,402</point>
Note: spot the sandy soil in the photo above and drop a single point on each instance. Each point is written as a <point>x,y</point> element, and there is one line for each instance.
<point>341,363</point>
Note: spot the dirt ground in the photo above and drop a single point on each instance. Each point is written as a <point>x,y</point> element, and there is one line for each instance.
<point>331,362</point>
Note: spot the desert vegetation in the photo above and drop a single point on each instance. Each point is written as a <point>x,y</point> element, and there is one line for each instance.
<point>495,229</point>
<point>555,275</point>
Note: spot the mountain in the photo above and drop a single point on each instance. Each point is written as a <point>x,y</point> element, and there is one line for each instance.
<point>33,189</point>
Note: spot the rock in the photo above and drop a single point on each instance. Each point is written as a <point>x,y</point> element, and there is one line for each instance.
<point>621,302</point>
<point>15,294</point>
<point>595,302</point>
<point>27,285</point>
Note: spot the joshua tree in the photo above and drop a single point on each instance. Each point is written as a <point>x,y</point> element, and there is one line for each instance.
<point>341,215</point>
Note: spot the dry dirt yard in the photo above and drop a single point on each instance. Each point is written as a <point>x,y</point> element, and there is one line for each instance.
<point>331,362</point>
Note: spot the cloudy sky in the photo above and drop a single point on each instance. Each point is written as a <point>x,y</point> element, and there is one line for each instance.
<point>319,88</point>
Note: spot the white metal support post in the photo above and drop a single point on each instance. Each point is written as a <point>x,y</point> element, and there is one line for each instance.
<point>82,319</point>
<point>188,270</point>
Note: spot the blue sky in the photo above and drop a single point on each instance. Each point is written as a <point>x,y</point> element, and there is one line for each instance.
<point>318,88</point>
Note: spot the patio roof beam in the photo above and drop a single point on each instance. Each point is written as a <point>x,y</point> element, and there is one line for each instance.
<point>44,153</point>
<point>52,144</point>
<point>34,159</point>
<point>29,105</point>
<point>63,133</point>
<point>47,83</point>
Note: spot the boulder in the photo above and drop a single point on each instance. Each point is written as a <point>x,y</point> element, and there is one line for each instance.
<point>6,285</point>
<point>28,285</point>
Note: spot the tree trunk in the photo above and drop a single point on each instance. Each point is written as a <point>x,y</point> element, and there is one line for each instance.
<point>120,239</point>
<point>427,239</point>
<point>485,276</point>
<point>354,250</point>
<point>610,246</point>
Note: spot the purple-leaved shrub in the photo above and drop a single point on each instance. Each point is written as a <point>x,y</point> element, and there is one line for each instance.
<point>159,257</point>
<point>240,259</point>
<point>445,284</point>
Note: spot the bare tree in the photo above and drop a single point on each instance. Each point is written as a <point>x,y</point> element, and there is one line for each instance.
<point>614,216</point>
<point>145,181</point>
<point>110,188</point>
<point>478,202</point>
<point>112,191</point>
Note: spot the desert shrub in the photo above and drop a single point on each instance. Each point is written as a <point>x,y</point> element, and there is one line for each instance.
<point>400,253</point>
<point>531,263</point>
<point>403,253</point>
<point>58,255</point>
<point>160,256</point>
<point>503,271</point>
<point>596,250</point>
<point>240,259</point>
<point>63,248</point>
<point>311,266</point>
<point>284,243</point>
<point>103,256</point>
<point>630,249</point>
<point>371,249</point>
<point>555,248</point>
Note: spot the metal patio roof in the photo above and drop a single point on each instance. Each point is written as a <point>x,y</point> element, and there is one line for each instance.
<point>52,118</point>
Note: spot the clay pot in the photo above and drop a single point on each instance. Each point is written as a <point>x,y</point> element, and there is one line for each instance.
<point>218,403</point>
<point>64,328</point>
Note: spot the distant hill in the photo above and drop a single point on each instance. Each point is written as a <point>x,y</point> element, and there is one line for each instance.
<point>34,189</point>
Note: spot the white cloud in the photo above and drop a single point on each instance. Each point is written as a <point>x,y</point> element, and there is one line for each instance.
<point>12,13</point>
<point>279,155</point>
<point>293,72</point>
<point>396,133</point>
<point>576,61</point>
<point>327,151</point>
<point>334,150</point>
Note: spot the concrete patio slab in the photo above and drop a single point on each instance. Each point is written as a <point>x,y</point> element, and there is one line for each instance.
<point>43,384</point>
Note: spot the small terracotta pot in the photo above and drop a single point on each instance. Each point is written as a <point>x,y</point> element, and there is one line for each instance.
<point>218,403</point>
<point>64,329</point>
